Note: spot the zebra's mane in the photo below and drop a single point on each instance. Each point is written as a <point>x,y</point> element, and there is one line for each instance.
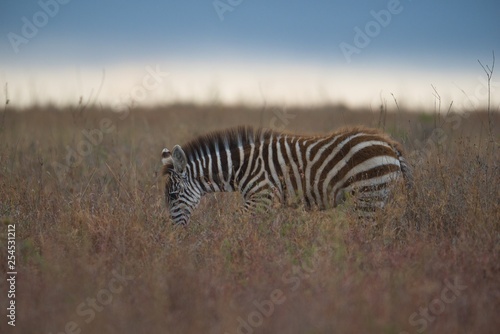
<point>230,138</point>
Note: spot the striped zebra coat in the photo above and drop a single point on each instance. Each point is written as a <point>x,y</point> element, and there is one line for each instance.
<point>264,165</point>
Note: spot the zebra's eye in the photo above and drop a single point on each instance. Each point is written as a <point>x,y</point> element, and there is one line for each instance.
<point>173,195</point>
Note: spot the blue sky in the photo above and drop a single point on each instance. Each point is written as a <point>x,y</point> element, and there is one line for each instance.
<point>420,35</point>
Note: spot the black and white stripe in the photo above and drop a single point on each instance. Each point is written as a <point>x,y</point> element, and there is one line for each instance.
<point>319,171</point>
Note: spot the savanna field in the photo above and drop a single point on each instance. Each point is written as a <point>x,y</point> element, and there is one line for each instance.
<point>96,251</point>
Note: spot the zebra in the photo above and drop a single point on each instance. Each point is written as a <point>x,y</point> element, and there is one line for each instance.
<point>264,165</point>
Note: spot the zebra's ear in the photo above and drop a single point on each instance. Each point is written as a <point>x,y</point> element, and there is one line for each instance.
<point>165,156</point>
<point>179,159</point>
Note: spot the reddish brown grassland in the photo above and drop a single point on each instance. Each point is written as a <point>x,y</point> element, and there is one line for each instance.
<point>287,271</point>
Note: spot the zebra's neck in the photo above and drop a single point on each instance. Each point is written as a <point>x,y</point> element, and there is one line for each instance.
<point>222,163</point>
<point>213,173</point>
<point>216,170</point>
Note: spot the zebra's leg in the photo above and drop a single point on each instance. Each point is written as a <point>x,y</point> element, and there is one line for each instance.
<point>259,202</point>
<point>370,200</point>
<point>364,201</point>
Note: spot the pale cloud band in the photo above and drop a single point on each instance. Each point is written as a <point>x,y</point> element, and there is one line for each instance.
<point>254,85</point>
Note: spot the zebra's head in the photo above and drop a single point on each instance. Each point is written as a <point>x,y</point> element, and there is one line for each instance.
<point>180,195</point>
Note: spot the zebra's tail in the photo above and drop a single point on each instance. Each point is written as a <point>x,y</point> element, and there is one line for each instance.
<point>410,215</point>
<point>406,169</point>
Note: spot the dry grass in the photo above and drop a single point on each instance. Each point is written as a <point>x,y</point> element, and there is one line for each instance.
<point>326,271</point>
